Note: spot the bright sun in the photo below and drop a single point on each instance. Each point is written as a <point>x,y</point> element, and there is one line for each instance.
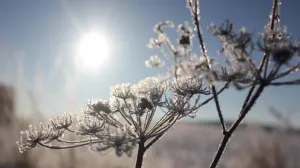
<point>92,51</point>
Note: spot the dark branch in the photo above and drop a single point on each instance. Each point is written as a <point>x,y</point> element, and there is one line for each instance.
<point>294,82</point>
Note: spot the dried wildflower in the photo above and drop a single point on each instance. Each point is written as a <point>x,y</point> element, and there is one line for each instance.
<point>115,104</point>
<point>181,105</point>
<point>282,55</point>
<point>189,86</point>
<point>123,91</point>
<point>61,122</point>
<point>154,61</point>
<point>235,75</point>
<point>127,119</point>
<point>120,141</point>
<point>90,125</point>
<point>151,88</point>
<point>234,43</point>
<point>184,40</point>
<point>95,107</point>
<point>145,104</point>
<point>34,135</point>
<point>158,28</point>
<point>155,43</point>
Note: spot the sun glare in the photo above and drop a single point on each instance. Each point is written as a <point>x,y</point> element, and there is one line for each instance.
<point>92,51</point>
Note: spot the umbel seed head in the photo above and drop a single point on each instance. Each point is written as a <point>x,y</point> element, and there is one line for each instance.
<point>282,55</point>
<point>184,40</point>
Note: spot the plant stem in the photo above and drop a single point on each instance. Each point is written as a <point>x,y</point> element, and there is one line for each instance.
<point>235,125</point>
<point>203,50</point>
<point>140,154</point>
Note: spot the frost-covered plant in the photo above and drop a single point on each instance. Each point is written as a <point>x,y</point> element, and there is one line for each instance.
<point>281,55</point>
<point>125,120</point>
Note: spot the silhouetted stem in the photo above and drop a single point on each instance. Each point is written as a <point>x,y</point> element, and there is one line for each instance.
<point>203,50</point>
<point>286,72</point>
<point>248,96</point>
<point>265,60</point>
<point>234,126</point>
<point>294,82</point>
<point>161,133</point>
<point>140,154</point>
<point>219,110</point>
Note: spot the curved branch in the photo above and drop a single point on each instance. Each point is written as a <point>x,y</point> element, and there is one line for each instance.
<point>74,142</point>
<point>66,147</point>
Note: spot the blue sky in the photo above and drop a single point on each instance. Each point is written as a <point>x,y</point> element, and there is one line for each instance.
<point>38,37</point>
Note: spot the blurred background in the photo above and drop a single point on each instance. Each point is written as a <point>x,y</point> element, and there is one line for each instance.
<point>55,55</point>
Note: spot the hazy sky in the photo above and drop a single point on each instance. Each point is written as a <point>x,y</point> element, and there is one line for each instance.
<point>38,40</point>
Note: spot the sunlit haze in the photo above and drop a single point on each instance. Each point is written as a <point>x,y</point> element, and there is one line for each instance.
<point>92,52</point>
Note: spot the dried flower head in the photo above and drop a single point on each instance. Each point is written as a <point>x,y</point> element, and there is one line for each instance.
<point>61,122</point>
<point>96,107</point>
<point>120,141</point>
<point>35,135</point>
<point>123,91</point>
<point>89,125</point>
<point>154,61</point>
<point>189,86</point>
<point>282,55</point>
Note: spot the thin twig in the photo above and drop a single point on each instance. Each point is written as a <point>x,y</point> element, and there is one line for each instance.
<point>294,82</point>
<point>74,142</point>
<point>219,92</point>
<point>248,96</point>
<point>287,71</point>
<point>161,134</point>
<point>66,147</point>
<point>203,50</point>
<point>219,111</point>
<point>266,57</point>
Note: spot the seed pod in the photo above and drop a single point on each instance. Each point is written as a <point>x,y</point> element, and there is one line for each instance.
<point>282,55</point>
<point>184,40</point>
<point>145,104</point>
